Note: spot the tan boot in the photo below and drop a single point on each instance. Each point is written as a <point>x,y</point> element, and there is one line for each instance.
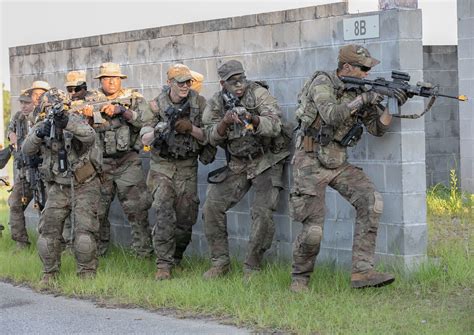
<point>163,274</point>
<point>299,285</point>
<point>215,272</point>
<point>371,278</point>
<point>48,279</point>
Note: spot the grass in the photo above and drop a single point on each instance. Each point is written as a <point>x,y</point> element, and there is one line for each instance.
<point>436,299</point>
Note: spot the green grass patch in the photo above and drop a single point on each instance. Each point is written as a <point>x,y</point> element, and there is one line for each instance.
<point>436,299</point>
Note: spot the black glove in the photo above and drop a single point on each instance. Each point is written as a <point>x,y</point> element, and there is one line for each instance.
<point>44,130</point>
<point>401,96</point>
<point>61,120</point>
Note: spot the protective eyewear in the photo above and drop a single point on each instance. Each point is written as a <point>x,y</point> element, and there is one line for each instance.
<point>234,82</point>
<point>362,67</point>
<point>188,83</point>
<point>74,89</point>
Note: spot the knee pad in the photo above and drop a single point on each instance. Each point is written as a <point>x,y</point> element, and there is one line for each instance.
<point>377,203</point>
<point>85,248</point>
<point>313,236</point>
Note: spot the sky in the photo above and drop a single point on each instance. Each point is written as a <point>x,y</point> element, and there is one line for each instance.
<point>36,21</point>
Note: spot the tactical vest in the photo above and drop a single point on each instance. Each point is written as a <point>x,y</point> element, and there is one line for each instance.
<point>116,136</point>
<point>185,146</point>
<point>243,144</point>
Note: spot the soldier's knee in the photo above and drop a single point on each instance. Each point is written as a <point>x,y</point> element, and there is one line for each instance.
<point>85,247</point>
<point>313,236</point>
<point>212,207</point>
<point>371,201</point>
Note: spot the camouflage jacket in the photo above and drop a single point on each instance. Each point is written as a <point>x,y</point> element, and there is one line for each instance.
<point>325,95</point>
<point>20,125</point>
<point>117,136</point>
<point>258,101</point>
<point>78,148</point>
<point>187,148</point>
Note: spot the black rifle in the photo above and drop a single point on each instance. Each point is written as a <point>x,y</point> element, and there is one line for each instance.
<point>165,136</point>
<point>400,81</point>
<point>232,103</point>
<point>36,183</point>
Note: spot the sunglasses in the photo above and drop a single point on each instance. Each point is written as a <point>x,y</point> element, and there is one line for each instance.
<point>362,67</point>
<point>233,82</point>
<point>188,83</point>
<point>74,89</point>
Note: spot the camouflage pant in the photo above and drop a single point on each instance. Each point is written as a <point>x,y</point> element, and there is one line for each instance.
<point>176,204</point>
<point>17,209</point>
<point>86,225</point>
<point>127,181</point>
<point>221,197</point>
<point>307,204</point>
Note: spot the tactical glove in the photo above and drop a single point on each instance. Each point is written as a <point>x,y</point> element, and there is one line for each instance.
<point>183,126</point>
<point>371,98</point>
<point>401,96</point>
<point>44,130</point>
<point>61,120</point>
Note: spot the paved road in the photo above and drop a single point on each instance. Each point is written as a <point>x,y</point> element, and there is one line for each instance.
<point>23,311</point>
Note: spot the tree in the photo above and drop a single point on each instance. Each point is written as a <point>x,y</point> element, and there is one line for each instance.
<point>6,107</point>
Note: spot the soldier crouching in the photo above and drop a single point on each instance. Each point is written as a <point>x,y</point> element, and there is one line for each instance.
<point>66,142</point>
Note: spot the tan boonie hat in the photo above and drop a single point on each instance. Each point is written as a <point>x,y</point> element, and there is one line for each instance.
<point>356,55</point>
<point>180,73</point>
<point>110,70</point>
<point>39,84</point>
<point>197,81</point>
<point>25,96</point>
<point>230,68</point>
<point>75,78</point>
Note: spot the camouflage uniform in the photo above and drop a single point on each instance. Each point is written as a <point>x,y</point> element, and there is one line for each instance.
<point>21,195</point>
<point>325,103</point>
<point>122,172</point>
<point>255,159</point>
<point>172,180</point>
<point>74,191</point>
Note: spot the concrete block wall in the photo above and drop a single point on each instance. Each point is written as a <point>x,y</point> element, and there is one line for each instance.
<point>284,48</point>
<point>466,86</point>
<point>440,65</point>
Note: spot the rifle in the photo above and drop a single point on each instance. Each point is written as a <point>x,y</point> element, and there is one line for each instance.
<point>97,105</point>
<point>232,103</point>
<point>400,81</point>
<point>20,158</point>
<point>165,132</point>
<point>36,183</point>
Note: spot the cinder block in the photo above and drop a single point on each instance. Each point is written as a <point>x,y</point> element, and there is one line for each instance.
<point>152,33</point>
<point>38,48</point>
<point>316,33</point>
<point>300,14</point>
<point>23,50</point>
<point>344,259</point>
<point>389,25</point>
<point>333,9</point>
<point>119,53</point>
<point>282,228</point>
<point>160,49</point>
<point>206,44</point>
<point>286,91</point>
<point>244,21</point>
<point>99,55</point>
<point>466,68</point>
<point>330,234</point>
<point>381,241</point>
<point>183,47</point>
<point>413,147</point>
<point>286,35</point>
<point>257,39</point>
<point>386,148</point>
<point>359,152</point>
<point>138,52</point>
<point>271,65</point>
<point>231,42</point>
<point>54,46</point>
<point>411,55</point>
<point>392,212</point>
<point>251,63</point>
<point>271,18</point>
<point>16,65</point>
<point>173,30</point>
<point>300,63</point>
<point>211,25</point>
<point>414,207</point>
<point>414,177</point>
<point>410,24</point>
<point>465,8</point>
<point>90,41</point>
<point>407,240</point>
<point>12,51</point>
<point>326,58</point>
<point>327,257</point>
<point>238,248</point>
<point>344,210</point>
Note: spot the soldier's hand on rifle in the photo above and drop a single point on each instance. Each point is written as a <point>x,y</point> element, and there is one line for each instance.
<point>13,139</point>
<point>88,111</point>
<point>61,120</point>
<point>231,117</point>
<point>108,109</point>
<point>401,96</point>
<point>371,98</point>
<point>183,126</point>
<point>44,130</point>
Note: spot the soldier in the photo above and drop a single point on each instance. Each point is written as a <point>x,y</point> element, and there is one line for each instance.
<point>172,179</point>
<point>331,118</point>
<point>65,142</point>
<point>244,119</point>
<point>21,195</point>
<point>76,86</point>
<point>121,171</point>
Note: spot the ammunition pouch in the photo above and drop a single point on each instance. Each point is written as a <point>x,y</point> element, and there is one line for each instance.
<point>84,173</point>
<point>218,175</point>
<point>246,147</point>
<point>117,140</point>
<point>208,154</point>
